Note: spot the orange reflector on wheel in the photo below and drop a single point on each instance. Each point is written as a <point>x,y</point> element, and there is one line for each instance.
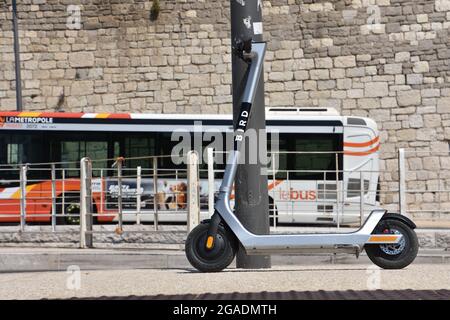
<point>381,238</point>
<point>209,242</point>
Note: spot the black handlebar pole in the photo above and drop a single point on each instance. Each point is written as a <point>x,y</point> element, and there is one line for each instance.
<point>251,202</point>
<point>17,57</point>
<point>255,72</point>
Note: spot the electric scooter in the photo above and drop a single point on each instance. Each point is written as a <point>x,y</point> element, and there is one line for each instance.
<point>388,239</point>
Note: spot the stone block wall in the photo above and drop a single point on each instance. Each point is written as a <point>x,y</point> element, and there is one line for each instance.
<point>385,59</point>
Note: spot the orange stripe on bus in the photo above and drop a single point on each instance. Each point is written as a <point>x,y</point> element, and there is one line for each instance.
<point>17,194</point>
<point>74,115</point>
<point>363,153</point>
<point>42,114</point>
<point>9,113</point>
<point>102,115</point>
<point>62,115</point>
<point>119,116</point>
<point>361,144</point>
<point>29,114</point>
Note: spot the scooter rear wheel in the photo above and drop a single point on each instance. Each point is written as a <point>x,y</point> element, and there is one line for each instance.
<point>394,256</point>
<point>215,259</point>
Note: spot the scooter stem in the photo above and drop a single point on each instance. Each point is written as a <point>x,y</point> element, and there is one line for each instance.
<point>248,97</point>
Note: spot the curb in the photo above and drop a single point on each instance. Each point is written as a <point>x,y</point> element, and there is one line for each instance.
<point>28,260</point>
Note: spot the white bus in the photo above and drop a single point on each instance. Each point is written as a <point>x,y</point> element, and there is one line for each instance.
<point>322,159</point>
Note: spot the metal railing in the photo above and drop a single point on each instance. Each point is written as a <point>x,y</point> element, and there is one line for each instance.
<point>415,183</point>
<point>25,196</point>
<point>56,193</point>
<point>403,188</point>
<point>424,183</point>
<point>157,197</point>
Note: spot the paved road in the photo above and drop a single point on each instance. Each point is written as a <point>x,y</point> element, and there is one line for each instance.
<point>38,285</point>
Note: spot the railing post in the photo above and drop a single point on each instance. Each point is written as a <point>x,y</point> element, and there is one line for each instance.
<point>193,196</point>
<point>361,198</point>
<point>402,181</point>
<point>63,195</point>
<point>53,174</point>
<point>138,194</point>
<point>86,237</point>
<point>119,193</point>
<point>155,191</point>
<point>273,191</point>
<point>325,193</point>
<point>338,216</point>
<point>102,181</point>
<point>23,196</point>
<point>439,194</point>
<point>211,185</point>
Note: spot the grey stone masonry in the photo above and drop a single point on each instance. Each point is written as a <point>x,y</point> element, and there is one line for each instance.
<point>167,237</point>
<point>385,59</point>
<point>109,56</point>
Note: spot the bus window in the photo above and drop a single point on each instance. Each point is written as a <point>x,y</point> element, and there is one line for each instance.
<point>73,151</point>
<point>116,150</point>
<point>319,156</point>
<point>10,158</point>
<point>22,147</point>
<point>279,156</point>
<point>14,152</point>
<point>308,163</point>
<point>165,147</point>
<point>139,146</point>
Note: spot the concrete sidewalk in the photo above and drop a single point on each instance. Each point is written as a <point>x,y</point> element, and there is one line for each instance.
<point>164,250</point>
<point>150,282</point>
<point>19,259</point>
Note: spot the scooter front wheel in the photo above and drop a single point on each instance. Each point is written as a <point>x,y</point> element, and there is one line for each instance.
<point>214,259</point>
<point>394,256</point>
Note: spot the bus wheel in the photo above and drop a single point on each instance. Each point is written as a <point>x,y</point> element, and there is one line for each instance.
<point>71,213</point>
